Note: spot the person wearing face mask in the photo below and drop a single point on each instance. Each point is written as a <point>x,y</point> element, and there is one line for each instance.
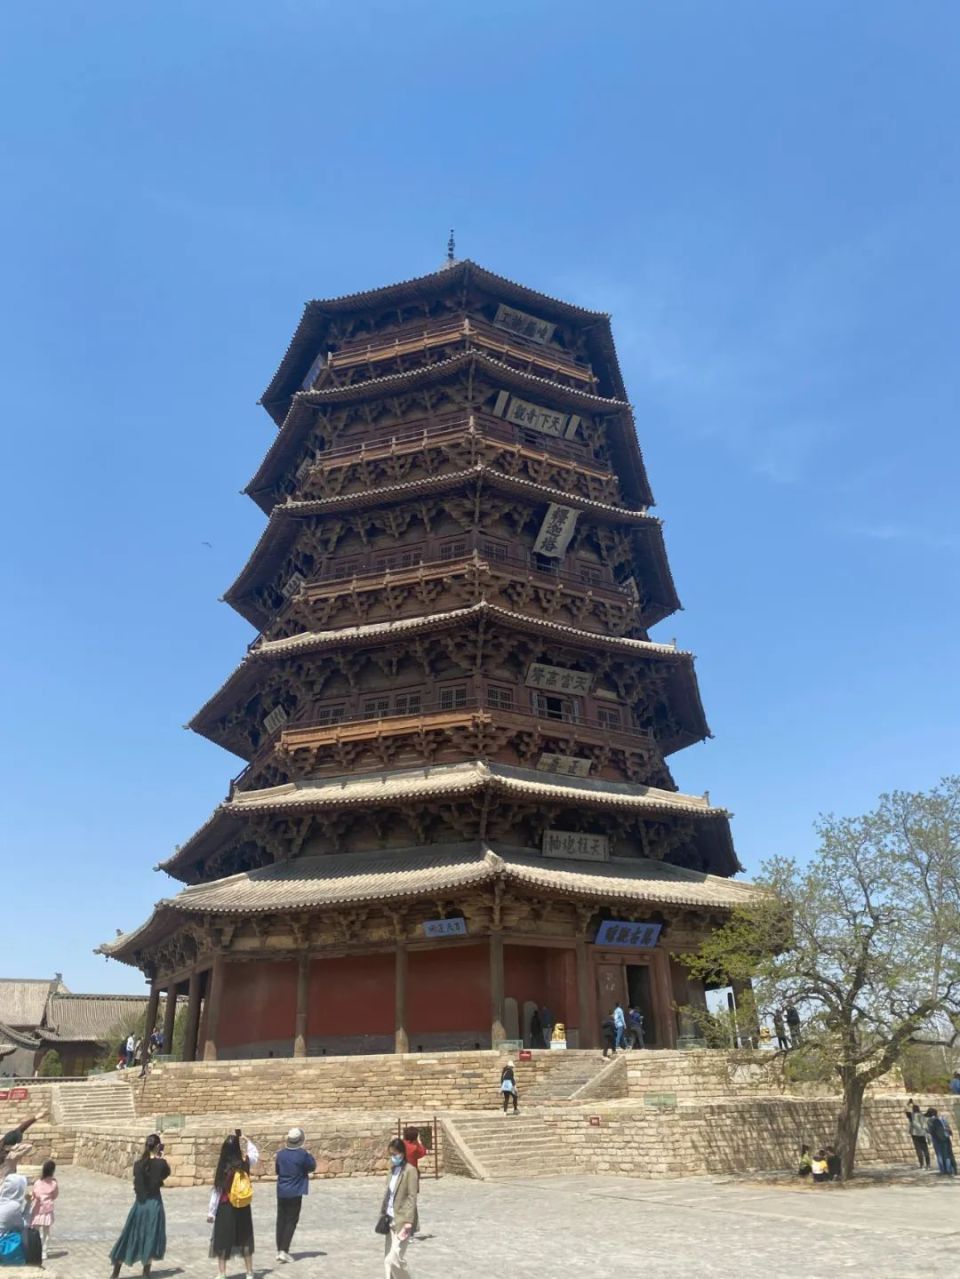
<point>398,1211</point>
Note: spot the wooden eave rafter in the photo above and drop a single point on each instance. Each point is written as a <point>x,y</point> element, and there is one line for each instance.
<point>299,419</point>
<point>243,681</point>
<point>280,532</point>
<point>314,324</point>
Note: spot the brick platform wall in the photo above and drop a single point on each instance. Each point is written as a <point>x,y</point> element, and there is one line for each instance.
<point>726,1137</point>
<point>343,1146</point>
<point>398,1083</point>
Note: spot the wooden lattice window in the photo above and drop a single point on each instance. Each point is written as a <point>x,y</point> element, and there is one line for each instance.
<point>331,714</point>
<point>407,704</point>
<point>609,717</point>
<point>499,698</point>
<point>451,698</point>
<point>376,707</point>
<point>566,709</point>
<point>454,550</point>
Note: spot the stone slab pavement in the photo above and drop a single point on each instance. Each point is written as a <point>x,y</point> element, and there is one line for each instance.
<point>696,1228</point>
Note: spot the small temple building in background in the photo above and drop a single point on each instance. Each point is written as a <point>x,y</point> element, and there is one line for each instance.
<point>456,805</point>
<point>39,1015</point>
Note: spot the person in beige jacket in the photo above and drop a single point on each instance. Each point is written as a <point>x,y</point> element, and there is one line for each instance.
<point>400,1207</point>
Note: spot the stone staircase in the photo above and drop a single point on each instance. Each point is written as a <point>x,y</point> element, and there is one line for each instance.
<point>502,1146</point>
<point>566,1077</point>
<point>91,1105</point>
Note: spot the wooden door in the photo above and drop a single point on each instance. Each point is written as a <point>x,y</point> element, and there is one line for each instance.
<point>611,988</point>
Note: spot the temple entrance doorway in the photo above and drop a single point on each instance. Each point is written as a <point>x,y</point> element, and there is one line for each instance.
<point>640,995</point>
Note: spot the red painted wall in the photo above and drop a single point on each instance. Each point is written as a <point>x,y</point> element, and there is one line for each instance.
<point>352,996</point>
<point>545,975</point>
<point>448,989</point>
<point>259,1003</point>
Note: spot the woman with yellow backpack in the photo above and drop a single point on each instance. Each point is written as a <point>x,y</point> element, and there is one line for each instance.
<point>230,1202</point>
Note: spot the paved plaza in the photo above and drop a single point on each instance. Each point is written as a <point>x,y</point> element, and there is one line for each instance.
<point>697,1228</point>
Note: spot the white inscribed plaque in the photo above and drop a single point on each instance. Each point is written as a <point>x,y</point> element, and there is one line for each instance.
<point>292,585</point>
<point>572,844</point>
<point>567,765</point>
<point>275,720</point>
<point>528,326</point>
<point>556,531</point>
<point>535,417</point>
<point>539,675</point>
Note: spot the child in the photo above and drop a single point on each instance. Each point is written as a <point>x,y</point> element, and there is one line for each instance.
<point>819,1166</point>
<point>834,1167</point>
<point>45,1190</point>
<point>805,1162</point>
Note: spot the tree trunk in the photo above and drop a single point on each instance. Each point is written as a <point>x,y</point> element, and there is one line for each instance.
<point>848,1123</point>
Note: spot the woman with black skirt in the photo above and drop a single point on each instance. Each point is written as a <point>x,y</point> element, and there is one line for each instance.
<point>232,1225</point>
<point>144,1237</point>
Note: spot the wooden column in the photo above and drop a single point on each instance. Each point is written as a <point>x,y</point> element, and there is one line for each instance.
<point>401,1038</point>
<point>153,1005</point>
<point>169,1016</point>
<point>497,1031</point>
<point>214,997</point>
<point>588,1032</point>
<point>193,1017</point>
<point>303,995</point>
<point>663,994</point>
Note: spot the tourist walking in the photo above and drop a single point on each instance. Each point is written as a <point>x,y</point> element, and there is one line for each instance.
<point>608,1032</point>
<point>293,1165</point>
<point>780,1030</point>
<point>951,1158</point>
<point>917,1127</point>
<point>941,1142</point>
<point>793,1025</point>
<point>547,1024</point>
<point>398,1213</point>
<point>508,1086</point>
<point>620,1022</point>
<point>143,1238</point>
<point>230,1202</point>
<point>635,1026</point>
<point>129,1049</point>
<point>43,1192</point>
<point>19,1243</point>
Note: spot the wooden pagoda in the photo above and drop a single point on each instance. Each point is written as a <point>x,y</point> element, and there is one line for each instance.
<point>456,805</point>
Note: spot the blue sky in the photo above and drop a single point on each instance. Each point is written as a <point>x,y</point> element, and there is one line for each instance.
<point>763,195</point>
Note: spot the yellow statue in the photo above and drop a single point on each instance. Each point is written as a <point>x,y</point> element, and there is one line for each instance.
<point>559,1033</point>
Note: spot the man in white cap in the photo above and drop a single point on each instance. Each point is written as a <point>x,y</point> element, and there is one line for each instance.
<point>294,1165</point>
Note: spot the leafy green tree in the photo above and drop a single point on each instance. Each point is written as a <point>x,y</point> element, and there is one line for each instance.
<point>864,941</point>
<point>52,1065</point>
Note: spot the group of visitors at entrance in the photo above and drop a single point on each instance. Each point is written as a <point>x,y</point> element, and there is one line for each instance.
<point>621,1030</point>
<point>143,1239</point>
<point>929,1126</point>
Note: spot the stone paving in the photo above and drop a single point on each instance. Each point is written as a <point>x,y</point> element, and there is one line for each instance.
<point>697,1228</point>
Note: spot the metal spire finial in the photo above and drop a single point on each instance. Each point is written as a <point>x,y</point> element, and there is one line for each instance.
<point>451,248</point>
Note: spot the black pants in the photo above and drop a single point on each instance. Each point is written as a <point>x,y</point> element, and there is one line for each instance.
<point>922,1148</point>
<point>288,1214</point>
<point>506,1100</point>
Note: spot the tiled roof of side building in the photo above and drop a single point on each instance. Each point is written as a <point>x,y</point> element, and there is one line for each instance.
<point>23,1001</point>
<point>89,1018</point>
<point>341,879</point>
<point>314,322</point>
